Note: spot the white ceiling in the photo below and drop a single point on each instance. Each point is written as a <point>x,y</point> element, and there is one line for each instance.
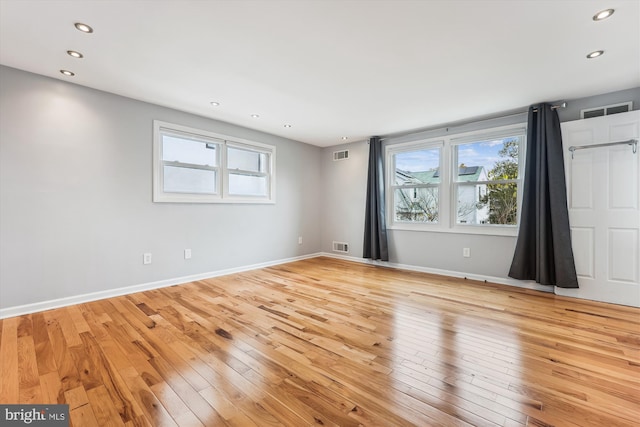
<point>351,68</point>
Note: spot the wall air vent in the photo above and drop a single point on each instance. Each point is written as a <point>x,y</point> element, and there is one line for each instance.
<point>606,110</point>
<point>340,155</point>
<point>341,247</point>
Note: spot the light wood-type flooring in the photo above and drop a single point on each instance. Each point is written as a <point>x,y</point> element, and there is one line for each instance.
<point>325,342</point>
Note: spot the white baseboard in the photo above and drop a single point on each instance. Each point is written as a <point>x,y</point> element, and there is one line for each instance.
<point>94,296</point>
<point>527,284</point>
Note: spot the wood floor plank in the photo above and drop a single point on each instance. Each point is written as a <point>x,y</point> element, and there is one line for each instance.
<point>83,416</point>
<point>9,380</point>
<point>51,389</point>
<point>44,351</point>
<point>66,368</point>
<point>30,390</point>
<point>334,343</point>
<point>153,409</point>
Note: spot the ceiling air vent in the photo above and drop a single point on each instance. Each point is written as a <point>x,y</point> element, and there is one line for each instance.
<point>606,110</point>
<point>340,155</point>
<point>340,247</point>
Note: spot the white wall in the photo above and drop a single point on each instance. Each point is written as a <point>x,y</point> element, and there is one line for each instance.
<point>345,184</point>
<point>75,197</point>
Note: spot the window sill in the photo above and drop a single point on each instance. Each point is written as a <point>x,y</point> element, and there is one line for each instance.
<point>213,200</point>
<point>487,230</point>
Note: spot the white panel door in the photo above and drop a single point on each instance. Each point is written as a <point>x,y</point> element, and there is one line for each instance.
<point>603,193</point>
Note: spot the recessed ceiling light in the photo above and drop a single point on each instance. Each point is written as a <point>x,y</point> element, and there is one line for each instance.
<point>604,14</point>
<point>287,126</point>
<point>595,54</point>
<point>344,138</point>
<point>68,73</point>
<point>214,103</point>
<point>255,116</point>
<point>83,27</point>
<point>75,54</point>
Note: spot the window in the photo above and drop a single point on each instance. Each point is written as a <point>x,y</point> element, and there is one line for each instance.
<point>248,171</point>
<point>469,183</point>
<point>416,185</point>
<point>196,166</point>
<point>487,183</point>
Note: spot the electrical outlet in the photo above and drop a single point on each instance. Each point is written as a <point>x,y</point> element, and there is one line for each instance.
<point>299,240</point>
<point>146,258</point>
<point>466,252</point>
<point>187,254</point>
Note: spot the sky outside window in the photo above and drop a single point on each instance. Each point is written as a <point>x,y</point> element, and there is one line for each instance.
<point>482,153</point>
<point>418,161</point>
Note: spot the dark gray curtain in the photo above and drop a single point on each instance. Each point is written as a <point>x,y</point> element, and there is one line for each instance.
<point>375,223</point>
<point>543,250</point>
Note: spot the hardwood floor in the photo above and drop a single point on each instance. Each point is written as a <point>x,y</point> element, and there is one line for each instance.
<point>328,342</point>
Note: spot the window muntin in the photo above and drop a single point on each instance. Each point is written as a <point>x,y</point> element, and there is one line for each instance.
<point>487,183</point>
<point>417,177</point>
<point>196,166</point>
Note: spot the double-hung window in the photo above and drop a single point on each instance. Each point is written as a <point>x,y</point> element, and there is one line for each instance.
<point>415,183</point>
<point>466,183</point>
<point>487,186</point>
<point>247,170</point>
<point>196,166</point>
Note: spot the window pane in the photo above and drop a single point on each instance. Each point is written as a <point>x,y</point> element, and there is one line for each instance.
<point>502,200</point>
<point>247,185</point>
<point>418,167</point>
<point>472,204</point>
<point>246,160</point>
<point>186,180</point>
<point>416,204</point>
<point>185,150</point>
<point>488,204</point>
<point>488,160</point>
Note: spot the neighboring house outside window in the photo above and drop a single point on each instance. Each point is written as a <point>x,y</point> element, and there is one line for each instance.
<point>470,206</point>
<point>416,197</point>
<point>420,204</point>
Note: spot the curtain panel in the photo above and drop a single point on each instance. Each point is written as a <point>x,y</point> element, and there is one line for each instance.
<point>543,250</point>
<point>375,221</point>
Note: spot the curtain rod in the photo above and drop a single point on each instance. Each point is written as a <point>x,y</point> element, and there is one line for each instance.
<point>554,107</point>
<point>519,113</point>
<point>535,110</point>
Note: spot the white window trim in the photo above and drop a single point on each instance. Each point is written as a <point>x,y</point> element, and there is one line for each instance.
<point>222,193</point>
<point>425,144</point>
<point>257,148</point>
<point>447,219</point>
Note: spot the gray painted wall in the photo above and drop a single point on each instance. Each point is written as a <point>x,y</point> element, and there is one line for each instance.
<point>344,187</point>
<point>75,197</point>
<point>345,184</point>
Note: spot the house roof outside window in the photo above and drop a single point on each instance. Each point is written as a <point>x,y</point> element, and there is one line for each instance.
<point>432,176</point>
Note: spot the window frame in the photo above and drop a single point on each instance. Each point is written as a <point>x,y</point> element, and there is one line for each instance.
<point>223,142</point>
<point>391,151</point>
<point>227,171</point>
<point>449,184</point>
